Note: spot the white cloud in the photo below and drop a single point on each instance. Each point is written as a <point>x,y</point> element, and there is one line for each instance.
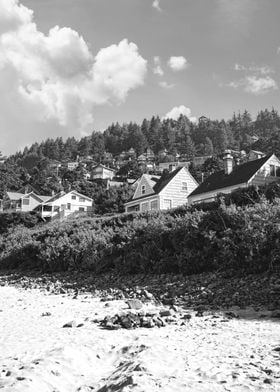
<point>178,110</point>
<point>49,84</point>
<point>157,66</point>
<point>257,79</point>
<point>178,63</point>
<point>166,85</point>
<point>255,85</point>
<point>259,86</point>
<point>156,5</point>
<point>264,70</point>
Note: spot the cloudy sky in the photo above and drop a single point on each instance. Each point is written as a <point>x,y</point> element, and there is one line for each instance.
<point>68,67</point>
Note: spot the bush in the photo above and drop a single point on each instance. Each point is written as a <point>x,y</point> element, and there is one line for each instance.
<point>182,240</point>
<point>9,220</point>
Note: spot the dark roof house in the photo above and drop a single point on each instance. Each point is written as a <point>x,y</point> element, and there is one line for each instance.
<point>255,172</point>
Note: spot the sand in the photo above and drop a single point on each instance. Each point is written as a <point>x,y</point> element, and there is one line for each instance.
<point>209,353</point>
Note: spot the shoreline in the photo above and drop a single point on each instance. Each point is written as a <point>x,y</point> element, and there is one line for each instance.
<point>206,351</point>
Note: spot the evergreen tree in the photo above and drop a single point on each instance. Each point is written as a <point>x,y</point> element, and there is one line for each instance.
<point>208,146</point>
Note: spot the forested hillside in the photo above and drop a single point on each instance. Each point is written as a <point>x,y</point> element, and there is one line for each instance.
<point>180,136</point>
<point>178,139</point>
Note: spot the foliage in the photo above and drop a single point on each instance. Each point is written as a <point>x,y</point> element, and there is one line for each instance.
<point>10,220</point>
<point>183,240</point>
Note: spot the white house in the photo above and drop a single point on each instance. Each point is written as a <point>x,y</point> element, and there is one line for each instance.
<point>255,172</point>
<point>64,204</point>
<point>171,165</point>
<point>23,202</point>
<point>101,172</point>
<point>161,193</point>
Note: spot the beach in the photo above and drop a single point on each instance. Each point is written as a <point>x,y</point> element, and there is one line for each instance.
<point>55,342</point>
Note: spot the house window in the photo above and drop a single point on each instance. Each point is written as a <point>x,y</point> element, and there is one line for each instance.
<point>143,189</point>
<point>167,203</point>
<point>82,199</point>
<point>68,206</point>
<point>47,208</point>
<point>81,209</point>
<point>25,202</point>
<point>133,208</point>
<point>272,170</point>
<point>145,206</point>
<point>154,205</point>
<point>184,187</point>
<point>73,197</point>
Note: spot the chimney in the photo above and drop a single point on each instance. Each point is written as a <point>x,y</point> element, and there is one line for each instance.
<point>228,162</point>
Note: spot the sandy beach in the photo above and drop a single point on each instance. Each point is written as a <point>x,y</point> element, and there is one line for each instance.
<point>207,353</point>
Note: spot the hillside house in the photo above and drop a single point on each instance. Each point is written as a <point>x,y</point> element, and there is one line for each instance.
<point>23,202</point>
<point>161,193</point>
<point>101,172</point>
<point>64,204</point>
<point>255,172</point>
<point>72,165</point>
<point>171,165</point>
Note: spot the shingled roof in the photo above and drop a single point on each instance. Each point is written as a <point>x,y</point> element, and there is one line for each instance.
<point>239,175</point>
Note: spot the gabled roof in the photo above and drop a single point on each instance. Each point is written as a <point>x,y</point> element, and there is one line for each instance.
<point>240,174</point>
<point>151,179</point>
<point>15,195</point>
<point>61,194</point>
<point>103,167</point>
<point>165,179</point>
<point>19,196</point>
<point>158,183</point>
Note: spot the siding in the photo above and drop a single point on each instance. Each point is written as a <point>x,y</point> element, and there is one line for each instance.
<point>263,175</point>
<point>149,189</point>
<point>210,196</point>
<point>174,192</point>
<point>33,203</point>
<point>142,202</point>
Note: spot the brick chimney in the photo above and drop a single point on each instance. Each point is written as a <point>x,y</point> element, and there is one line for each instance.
<point>228,162</point>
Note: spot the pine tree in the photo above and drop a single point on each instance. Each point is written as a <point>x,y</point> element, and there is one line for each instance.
<point>208,146</point>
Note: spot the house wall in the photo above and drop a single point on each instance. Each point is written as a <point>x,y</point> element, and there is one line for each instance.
<point>149,190</point>
<point>33,203</point>
<point>69,205</point>
<point>145,204</point>
<point>102,174</point>
<point>178,190</point>
<point>263,175</point>
<point>211,196</point>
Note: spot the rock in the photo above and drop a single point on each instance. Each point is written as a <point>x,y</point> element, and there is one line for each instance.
<point>134,304</point>
<point>267,381</point>
<point>148,295</point>
<point>45,314</point>
<point>70,324</point>
<point>186,317</point>
<point>165,313</point>
<point>232,315</point>
<point>148,322</point>
<point>168,301</point>
<point>126,322</point>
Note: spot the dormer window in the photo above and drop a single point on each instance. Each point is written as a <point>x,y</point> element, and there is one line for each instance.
<point>143,189</point>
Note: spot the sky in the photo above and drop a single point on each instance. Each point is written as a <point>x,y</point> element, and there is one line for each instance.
<point>68,67</point>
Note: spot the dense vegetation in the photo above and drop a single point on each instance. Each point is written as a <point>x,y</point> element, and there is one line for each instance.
<point>180,241</point>
<point>207,137</point>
